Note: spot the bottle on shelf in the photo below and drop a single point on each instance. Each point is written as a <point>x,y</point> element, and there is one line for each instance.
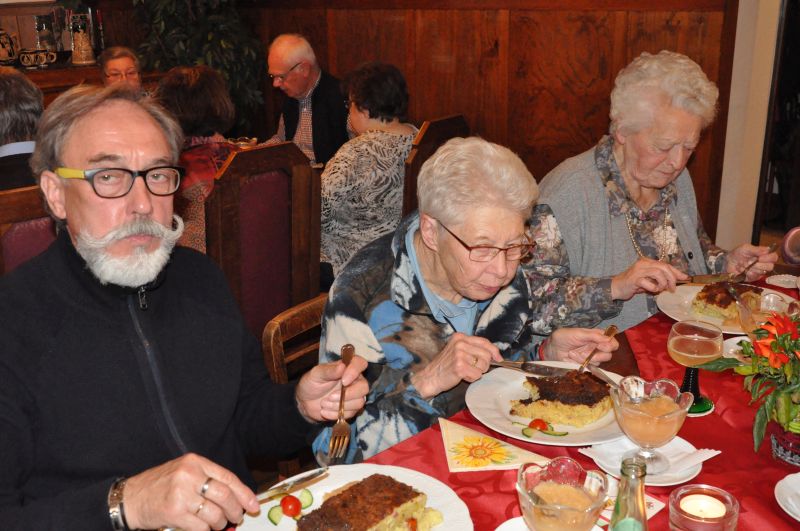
<point>629,510</point>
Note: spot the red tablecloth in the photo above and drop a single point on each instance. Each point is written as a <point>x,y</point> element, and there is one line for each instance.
<point>749,476</point>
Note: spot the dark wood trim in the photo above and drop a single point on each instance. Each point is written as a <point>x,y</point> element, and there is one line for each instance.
<point>760,214</point>
<point>462,5</point>
<point>720,126</point>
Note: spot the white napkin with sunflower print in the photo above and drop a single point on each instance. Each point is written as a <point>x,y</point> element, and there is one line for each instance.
<point>470,451</point>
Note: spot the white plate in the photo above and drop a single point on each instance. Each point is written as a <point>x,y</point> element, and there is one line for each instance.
<point>787,493</point>
<point>610,463</point>
<point>731,348</point>
<point>678,305</point>
<point>783,281</point>
<point>440,496</point>
<point>489,400</point>
<point>518,524</point>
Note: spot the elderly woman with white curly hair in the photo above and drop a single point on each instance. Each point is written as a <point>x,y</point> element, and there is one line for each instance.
<point>619,223</point>
<point>431,305</point>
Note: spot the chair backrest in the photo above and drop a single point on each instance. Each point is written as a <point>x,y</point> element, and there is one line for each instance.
<point>290,341</point>
<point>263,229</point>
<point>431,136</point>
<point>290,344</point>
<point>25,227</point>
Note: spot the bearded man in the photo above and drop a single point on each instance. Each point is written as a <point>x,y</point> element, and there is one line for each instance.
<point>131,389</point>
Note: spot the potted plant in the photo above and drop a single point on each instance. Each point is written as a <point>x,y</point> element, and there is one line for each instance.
<point>771,370</point>
<point>208,32</point>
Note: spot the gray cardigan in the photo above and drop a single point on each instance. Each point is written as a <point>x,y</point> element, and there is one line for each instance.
<point>598,244</point>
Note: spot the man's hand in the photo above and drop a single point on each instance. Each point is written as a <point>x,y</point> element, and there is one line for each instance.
<point>318,391</point>
<point>170,495</point>
<point>462,358</point>
<point>740,257</point>
<point>645,275</point>
<point>574,344</point>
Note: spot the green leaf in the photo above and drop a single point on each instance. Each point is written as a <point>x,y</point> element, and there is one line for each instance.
<point>721,364</point>
<point>759,427</point>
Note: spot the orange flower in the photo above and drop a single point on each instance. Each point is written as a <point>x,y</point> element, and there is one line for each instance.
<point>763,349</point>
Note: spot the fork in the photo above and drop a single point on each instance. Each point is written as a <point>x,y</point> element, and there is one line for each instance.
<point>340,436</point>
<point>610,331</point>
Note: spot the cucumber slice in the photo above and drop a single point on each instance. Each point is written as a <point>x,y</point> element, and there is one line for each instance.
<point>555,433</point>
<point>528,432</point>
<point>275,514</point>
<point>306,498</point>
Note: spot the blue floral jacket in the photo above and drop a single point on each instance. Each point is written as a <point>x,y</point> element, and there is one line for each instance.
<point>377,305</point>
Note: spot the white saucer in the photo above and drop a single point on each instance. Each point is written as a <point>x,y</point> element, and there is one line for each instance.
<point>783,281</point>
<point>518,524</point>
<point>731,348</point>
<point>787,493</point>
<point>610,462</point>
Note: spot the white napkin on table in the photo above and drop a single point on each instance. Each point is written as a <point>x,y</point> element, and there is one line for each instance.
<point>679,459</point>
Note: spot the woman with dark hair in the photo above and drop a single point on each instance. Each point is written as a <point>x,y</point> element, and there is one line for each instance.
<point>362,185</point>
<point>199,99</point>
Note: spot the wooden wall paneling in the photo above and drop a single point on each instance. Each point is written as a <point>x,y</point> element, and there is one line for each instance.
<point>697,35</point>
<point>358,36</point>
<point>563,69</point>
<point>462,68</point>
<point>122,25</point>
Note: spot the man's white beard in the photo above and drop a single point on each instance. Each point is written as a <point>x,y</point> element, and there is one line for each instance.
<point>140,267</point>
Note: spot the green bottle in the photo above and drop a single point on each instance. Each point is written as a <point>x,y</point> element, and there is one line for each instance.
<point>629,511</point>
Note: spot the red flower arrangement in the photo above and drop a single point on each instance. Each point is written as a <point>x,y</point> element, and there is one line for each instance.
<point>773,374</point>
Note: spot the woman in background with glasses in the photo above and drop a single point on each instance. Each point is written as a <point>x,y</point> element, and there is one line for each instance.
<point>362,185</point>
<point>430,305</point>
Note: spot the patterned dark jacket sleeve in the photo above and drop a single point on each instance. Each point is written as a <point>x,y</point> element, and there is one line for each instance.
<point>559,299</point>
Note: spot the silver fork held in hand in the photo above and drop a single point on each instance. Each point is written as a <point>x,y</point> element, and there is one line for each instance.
<point>340,436</point>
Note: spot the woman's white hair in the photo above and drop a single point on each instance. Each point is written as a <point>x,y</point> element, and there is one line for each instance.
<point>469,173</point>
<point>651,81</point>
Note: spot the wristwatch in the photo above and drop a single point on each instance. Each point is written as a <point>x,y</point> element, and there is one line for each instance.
<point>116,509</point>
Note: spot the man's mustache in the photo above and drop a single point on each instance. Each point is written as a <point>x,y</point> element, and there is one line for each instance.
<point>137,227</point>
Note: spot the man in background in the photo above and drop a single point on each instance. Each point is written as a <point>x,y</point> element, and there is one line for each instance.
<point>314,115</point>
<point>120,65</point>
<point>20,109</point>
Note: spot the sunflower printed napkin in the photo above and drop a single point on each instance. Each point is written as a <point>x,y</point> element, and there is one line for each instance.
<point>471,451</point>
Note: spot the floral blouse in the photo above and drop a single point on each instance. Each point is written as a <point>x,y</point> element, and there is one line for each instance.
<point>585,301</point>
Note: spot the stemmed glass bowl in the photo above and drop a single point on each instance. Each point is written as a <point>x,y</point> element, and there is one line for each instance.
<point>693,343</point>
<point>650,414</point>
<point>560,495</point>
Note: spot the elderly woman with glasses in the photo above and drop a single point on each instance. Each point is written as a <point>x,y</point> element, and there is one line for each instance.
<point>432,304</point>
<point>619,223</point>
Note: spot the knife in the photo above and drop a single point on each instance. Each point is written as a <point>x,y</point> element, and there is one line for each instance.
<point>531,367</point>
<point>289,486</point>
<point>706,279</point>
<point>600,373</point>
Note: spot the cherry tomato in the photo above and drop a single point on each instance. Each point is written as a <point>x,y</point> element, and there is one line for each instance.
<point>538,424</point>
<point>290,505</point>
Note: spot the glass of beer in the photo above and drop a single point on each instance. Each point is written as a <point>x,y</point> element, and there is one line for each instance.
<point>650,414</point>
<point>693,343</point>
<point>560,495</point>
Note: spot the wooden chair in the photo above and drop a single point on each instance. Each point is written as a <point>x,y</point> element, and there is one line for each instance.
<point>431,136</point>
<point>290,344</point>
<point>263,229</point>
<point>26,229</point>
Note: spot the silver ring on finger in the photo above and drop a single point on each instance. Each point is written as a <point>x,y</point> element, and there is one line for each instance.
<point>205,486</point>
<point>200,507</point>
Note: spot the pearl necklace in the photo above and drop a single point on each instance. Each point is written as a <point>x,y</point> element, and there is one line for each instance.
<point>663,244</point>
